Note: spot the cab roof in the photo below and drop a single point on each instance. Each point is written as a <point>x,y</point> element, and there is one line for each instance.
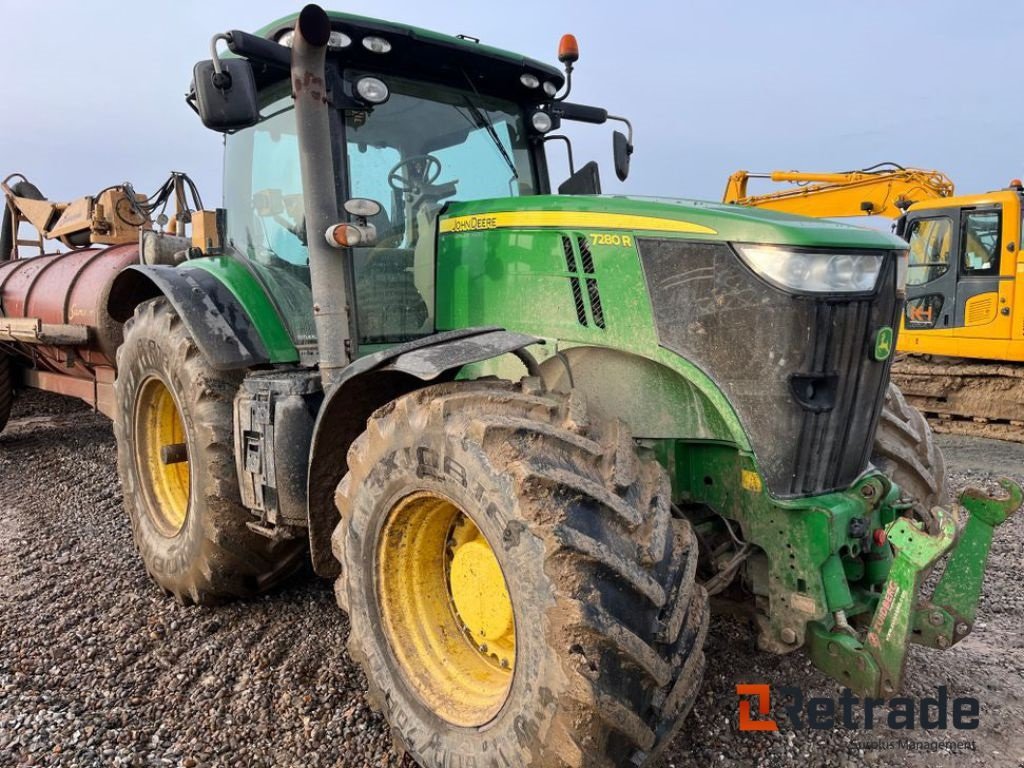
<point>424,53</point>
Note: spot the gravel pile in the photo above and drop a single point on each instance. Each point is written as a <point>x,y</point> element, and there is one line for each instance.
<point>97,667</point>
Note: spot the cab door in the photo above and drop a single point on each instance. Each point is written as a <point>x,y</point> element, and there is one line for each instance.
<point>985,290</point>
<point>930,312</point>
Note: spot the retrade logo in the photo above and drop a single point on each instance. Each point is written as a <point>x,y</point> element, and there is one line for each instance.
<point>764,705</point>
<point>939,712</point>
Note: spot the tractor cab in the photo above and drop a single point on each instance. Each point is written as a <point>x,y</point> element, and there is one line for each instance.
<point>417,120</point>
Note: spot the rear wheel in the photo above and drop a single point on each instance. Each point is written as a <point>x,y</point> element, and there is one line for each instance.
<point>518,591</point>
<point>176,462</point>
<point>906,451</point>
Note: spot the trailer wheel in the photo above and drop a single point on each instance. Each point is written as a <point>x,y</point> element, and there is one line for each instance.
<point>906,451</point>
<point>517,589</point>
<point>6,390</point>
<point>176,462</point>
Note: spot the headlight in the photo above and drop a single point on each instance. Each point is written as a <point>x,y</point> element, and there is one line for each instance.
<point>550,88</point>
<point>376,44</point>
<point>813,271</point>
<point>337,39</point>
<point>530,81</point>
<point>372,90</point>
<point>541,122</point>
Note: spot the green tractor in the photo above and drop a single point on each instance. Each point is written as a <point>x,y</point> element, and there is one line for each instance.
<point>527,433</point>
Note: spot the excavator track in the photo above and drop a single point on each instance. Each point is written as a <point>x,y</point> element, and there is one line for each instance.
<point>965,397</point>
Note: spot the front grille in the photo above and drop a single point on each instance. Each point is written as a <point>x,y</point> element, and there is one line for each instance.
<point>799,370</point>
<point>833,446</point>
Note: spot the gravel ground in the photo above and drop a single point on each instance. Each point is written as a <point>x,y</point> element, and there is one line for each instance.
<point>97,667</point>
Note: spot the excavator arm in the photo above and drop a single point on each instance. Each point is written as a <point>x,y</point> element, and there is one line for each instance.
<point>886,189</point>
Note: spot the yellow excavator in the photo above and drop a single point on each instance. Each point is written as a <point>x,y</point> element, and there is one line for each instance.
<point>961,340</point>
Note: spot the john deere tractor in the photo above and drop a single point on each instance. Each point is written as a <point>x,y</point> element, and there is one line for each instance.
<point>527,430</point>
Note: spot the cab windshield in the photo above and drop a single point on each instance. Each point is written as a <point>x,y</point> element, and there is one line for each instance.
<point>425,146</point>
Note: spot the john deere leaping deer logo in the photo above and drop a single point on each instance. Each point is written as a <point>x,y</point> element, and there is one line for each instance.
<point>883,343</point>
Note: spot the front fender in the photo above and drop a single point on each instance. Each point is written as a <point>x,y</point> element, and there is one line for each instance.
<point>368,384</point>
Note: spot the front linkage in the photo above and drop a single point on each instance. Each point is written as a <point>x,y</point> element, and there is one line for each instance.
<point>840,572</point>
<point>875,667</point>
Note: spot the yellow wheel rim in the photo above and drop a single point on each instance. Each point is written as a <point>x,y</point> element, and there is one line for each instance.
<point>447,611</point>
<point>160,456</point>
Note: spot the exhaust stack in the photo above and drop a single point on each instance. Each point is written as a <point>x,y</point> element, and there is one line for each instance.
<point>328,266</point>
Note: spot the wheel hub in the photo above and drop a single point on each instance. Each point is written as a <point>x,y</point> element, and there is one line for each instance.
<point>479,595</point>
<point>161,456</point>
<point>447,612</point>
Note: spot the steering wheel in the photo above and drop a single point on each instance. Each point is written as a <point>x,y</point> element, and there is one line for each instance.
<point>414,172</point>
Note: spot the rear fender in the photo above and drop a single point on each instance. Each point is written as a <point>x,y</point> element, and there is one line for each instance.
<point>220,324</point>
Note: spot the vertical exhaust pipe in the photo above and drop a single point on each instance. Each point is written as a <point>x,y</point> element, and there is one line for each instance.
<point>327,265</point>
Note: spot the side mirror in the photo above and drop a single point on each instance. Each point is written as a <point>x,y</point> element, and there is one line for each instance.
<point>621,150</point>
<point>225,100</point>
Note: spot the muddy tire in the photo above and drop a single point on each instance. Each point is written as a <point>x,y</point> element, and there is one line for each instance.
<point>608,621</point>
<point>6,390</point>
<point>186,515</point>
<point>905,450</point>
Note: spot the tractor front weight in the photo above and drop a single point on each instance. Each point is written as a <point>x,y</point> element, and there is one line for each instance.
<point>875,666</point>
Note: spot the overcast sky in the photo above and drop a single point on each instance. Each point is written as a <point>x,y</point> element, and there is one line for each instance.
<point>93,91</point>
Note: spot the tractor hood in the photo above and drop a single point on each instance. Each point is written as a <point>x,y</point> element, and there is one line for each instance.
<point>662,216</point>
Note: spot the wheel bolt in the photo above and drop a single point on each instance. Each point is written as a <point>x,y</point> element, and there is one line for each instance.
<point>788,635</point>
<point>935,619</point>
<point>942,641</point>
<point>962,628</point>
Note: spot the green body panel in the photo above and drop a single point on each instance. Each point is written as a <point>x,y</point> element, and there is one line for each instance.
<point>253,298</point>
<point>519,279</point>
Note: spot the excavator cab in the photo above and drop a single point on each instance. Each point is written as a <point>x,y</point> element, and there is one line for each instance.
<point>960,284</point>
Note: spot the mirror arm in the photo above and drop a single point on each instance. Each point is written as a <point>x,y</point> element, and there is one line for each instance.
<point>568,84</point>
<point>568,149</point>
<point>629,128</point>
<point>220,78</point>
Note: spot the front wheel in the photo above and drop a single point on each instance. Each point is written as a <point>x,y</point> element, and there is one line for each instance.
<point>518,591</point>
<point>906,451</point>
<point>176,462</point>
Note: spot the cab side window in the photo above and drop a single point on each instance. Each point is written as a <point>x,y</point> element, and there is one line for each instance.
<point>980,248</point>
<point>931,241</point>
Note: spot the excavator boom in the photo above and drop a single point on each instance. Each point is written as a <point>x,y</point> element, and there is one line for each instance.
<point>882,190</point>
